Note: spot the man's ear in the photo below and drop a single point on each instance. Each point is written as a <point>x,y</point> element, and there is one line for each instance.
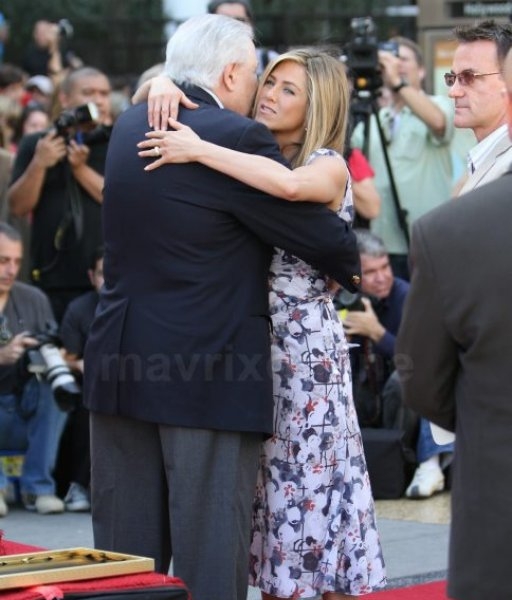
<point>422,73</point>
<point>229,76</point>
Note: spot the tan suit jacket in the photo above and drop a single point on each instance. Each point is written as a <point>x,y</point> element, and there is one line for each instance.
<point>497,162</point>
<point>454,357</point>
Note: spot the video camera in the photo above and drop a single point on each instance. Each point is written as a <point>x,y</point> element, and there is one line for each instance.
<point>82,117</point>
<point>45,360</point>
<point>362,55</point>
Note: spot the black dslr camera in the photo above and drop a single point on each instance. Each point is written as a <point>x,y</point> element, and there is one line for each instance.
<point>46,361</point>
<point>345,300</point>
<point>362,55</point>
<point>84,117</point>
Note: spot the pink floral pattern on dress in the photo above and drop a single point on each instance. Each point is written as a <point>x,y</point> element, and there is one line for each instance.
<point>314,527</point>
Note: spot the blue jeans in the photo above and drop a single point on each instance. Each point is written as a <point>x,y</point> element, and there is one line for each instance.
<point>32,423</point>
<point>427,447</point>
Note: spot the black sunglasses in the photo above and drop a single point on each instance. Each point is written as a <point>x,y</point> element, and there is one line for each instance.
<point>465,77</point>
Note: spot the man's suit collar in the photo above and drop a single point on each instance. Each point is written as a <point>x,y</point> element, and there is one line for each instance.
<point>198,94</point>
<point>502,145</point>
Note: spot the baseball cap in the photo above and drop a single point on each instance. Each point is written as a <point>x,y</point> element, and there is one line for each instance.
<point>42,83</point>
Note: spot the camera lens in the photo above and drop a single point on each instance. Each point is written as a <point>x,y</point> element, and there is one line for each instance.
<point>65,389</point>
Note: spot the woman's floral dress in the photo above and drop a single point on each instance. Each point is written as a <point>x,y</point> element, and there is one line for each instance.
<point>314,528</point>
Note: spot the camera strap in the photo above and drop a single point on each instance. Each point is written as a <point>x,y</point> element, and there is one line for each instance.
<point>75,205</point>
<point>73,216</point>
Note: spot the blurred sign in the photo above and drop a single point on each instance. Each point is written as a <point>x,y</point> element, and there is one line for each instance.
<point>479,9</point>
<point>402,11</point>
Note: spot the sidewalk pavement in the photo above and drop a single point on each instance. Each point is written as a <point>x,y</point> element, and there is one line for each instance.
<point>414,536</point>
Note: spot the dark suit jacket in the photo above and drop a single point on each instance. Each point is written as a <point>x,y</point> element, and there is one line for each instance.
<point>181,335</point>
<point>455,360</point>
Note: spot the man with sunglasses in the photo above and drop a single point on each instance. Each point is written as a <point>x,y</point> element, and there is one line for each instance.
<point>455,332</point>
<point>479,94</point>
<point>477,86</point>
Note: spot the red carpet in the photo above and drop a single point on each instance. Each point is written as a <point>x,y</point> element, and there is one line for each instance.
<point>425,591</point>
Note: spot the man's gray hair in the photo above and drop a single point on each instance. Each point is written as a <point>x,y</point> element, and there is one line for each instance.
<point>203,46</point>
<point>370,244</point>
<point>10,232</point>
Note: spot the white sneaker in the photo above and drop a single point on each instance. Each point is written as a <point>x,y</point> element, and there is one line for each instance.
<point>428,479</point>
<point>77,498</point>
<point>45,504</point>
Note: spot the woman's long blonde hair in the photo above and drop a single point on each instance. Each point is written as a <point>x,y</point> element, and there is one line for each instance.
<point>328,98</point>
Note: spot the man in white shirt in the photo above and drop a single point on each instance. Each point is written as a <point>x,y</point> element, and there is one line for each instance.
<point>479,93</point>
<point>481,103</point>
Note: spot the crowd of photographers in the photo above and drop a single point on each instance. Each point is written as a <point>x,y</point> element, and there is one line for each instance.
<point>56,115</point>
<point>410,146</point>
<point>52,194</point>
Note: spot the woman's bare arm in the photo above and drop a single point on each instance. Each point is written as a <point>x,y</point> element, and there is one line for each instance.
<point>324,180</point>
<point>366,198</point>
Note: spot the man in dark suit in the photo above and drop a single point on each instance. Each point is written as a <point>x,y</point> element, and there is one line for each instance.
<point>177,366</point>
<point>453,355</point>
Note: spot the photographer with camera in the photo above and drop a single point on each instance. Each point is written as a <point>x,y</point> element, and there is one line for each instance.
<point>58,177</point>
<point>46,55</point>
<point>30,420</point>
<point>418,130</point>
<point>373,323</point>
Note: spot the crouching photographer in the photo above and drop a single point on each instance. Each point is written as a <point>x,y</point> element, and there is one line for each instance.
<point>371,323</point>
<point>30,420</point>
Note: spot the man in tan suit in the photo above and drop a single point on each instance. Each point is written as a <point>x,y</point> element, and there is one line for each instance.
<point>479,93</point>
<point>481,101</point>
<point>454,346</point>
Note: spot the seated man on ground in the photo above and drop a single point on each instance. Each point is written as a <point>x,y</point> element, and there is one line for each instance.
<point>30,420</point>
<point>373,325</point>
